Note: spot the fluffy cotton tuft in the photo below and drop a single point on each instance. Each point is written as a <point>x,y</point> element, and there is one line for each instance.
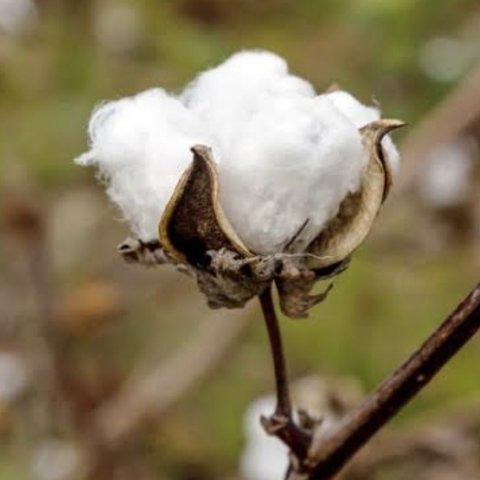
<point>361,115</point>
<point>293,162</point>
<point>141,146</point>
<point>286,157</point>
<point>227,96</point>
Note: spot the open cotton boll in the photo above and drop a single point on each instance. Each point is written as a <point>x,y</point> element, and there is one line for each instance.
<point>293,162</point>
<point>141,146</point>
<point>361,115</point>
<point>286,158</point>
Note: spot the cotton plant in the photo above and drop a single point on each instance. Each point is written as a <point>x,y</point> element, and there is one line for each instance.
<point>283,186</point>
<point>247,179</point>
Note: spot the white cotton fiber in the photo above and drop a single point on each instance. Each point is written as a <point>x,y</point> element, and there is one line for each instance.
<point>293,162</point>
<point>285,156</point>
<point>141,146</point>
<point>361,115</point>
<point>227,96</point>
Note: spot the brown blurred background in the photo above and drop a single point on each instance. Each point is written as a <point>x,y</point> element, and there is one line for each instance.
<point>111,371</point>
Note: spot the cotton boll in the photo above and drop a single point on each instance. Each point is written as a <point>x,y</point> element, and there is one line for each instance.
<point>141,146</point>
<point>361,115</point>
<point>286,157</point>
<point>295,160</point>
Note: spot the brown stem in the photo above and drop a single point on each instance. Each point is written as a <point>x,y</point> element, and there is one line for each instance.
<point>281,423</point>
<point>330,452</point>
<point>284,406</point>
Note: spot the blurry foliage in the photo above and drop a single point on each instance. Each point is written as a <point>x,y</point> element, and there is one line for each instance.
<point>389,299</point>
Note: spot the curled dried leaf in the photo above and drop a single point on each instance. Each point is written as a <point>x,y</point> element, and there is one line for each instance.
<point>193,222</point>
<point>145,253</point>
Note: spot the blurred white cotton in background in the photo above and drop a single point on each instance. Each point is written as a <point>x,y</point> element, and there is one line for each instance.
<point>14,376</point>
<point>444,59</point>
<point>448,173</point>
<point>117,26</point>
<point>293,162</point>
<point>141,146</point>
<point>16,15</point>
<point>56,459</point>
<point>265,457</point>
<point>286,157</point>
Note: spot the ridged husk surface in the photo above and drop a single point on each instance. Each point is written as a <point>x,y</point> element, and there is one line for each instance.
<point>196,236</point>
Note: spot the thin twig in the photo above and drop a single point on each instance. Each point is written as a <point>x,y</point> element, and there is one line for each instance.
<point>284,405</point>
<point>430,439</point>
<point>330,451</point>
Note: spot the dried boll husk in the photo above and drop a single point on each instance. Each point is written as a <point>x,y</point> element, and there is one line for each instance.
<point>196,236</point>
<point>329,253</point>
<point>358,211</point>
<point>196,198</point>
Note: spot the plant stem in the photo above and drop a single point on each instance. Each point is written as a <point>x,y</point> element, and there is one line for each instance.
<point>330,452</point>
<point>281,423</point>
<point>284,406</point>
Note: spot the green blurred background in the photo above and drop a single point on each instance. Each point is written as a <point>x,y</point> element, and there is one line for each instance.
<point>61,57</point>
